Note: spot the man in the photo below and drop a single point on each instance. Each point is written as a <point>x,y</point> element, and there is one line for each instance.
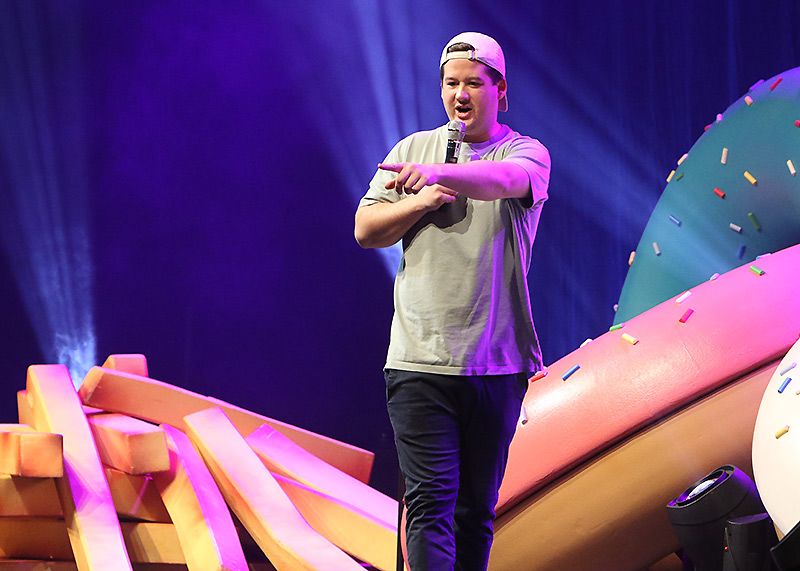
<point>462,340</point>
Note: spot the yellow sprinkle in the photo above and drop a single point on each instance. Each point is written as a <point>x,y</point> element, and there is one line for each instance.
<point>750,178</point>
<point>790,164</point>
<point>748,100</point>
<point>670,175</point>
<point>630,338</point>
<point>724,158</point>
<point>631,257</point>
<point>782,431</point>
<point>683,158</point>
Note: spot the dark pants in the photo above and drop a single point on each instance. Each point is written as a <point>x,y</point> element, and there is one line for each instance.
<point>452,435</point>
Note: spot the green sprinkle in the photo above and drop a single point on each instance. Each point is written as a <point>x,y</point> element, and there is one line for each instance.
<point>754,220</point>
<point>757,271</point>
<point>617,326</point>
<point>679,176</point>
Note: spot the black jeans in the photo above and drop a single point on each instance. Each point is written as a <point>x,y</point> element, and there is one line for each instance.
<point>452,435</point>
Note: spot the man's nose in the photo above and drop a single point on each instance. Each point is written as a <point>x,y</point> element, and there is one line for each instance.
<point>461,93</point>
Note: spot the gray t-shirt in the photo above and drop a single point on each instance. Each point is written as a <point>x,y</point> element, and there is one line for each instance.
<point>461,297</point>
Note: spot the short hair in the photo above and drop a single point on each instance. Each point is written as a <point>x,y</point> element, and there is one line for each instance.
<point>495,75</point>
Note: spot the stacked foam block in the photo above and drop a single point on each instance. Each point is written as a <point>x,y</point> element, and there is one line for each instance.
<point>133,473</point>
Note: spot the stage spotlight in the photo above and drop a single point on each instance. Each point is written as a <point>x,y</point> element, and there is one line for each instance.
<point>748,540</point>
<point>786,554</point>
<point>700,513</point>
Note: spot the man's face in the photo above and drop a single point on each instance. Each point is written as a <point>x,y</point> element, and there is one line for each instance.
<point>470,96</point>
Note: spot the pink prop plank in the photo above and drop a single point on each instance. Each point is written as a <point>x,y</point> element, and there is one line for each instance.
<point>198,510</point>
<point>94,530</point>
<point>257,499</point>
<point>162,403</point>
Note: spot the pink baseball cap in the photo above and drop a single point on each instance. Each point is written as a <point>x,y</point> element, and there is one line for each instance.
<point>486,50</point>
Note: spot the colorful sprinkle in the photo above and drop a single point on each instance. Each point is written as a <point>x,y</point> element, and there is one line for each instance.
<point>630,339</point>
<point>707,127</point>
<point>735,227</point>
<point>797,123</point>
<point>682,297</point>
<point>617,326</point>
<point>539,375</point>
<point>569,373</point>
<point>523,415</point>
<point>754,220</point>
<point>585,343</point>
<point>790,164</point>
<point>748,100</point>
<point>685,317</point>
<point>787,368</point>
<point>719,117</point>
<point>775,83</point>
<point>750,178</point>
<point>756,84</point>
<point>656,249</point>
<point>713,277</point>
<point>782,431</point>
<point>615,307</point>
<point>683,158</point>
<point>724,158</point>
<point>719,192</point>
<point>670,175</point>
<point>763,255</point>
<point>679,177</point>
<point>784,384</point>
<point>674,220</point>
<point>757,271</point>
<point>631,257</point>
<point>742,250</point>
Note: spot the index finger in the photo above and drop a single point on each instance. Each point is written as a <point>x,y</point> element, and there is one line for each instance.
<point>394,167</point>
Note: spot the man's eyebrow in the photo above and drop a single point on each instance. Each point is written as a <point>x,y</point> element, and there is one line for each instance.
<point>470,78</point>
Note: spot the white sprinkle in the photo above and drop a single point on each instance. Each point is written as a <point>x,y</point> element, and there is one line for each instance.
<point>735,227</point>
<point>681,298</point>
<point>631,257</point>
<point>616,307</point>
<point>683,158</point>
<point>724,158</point>
<point>523,415</point>
<point>763,255</point>
<point>712,278</point>
<point>585,343</point>
<point>719,117</point>
<point>787,368</point>
<point>790,164</point>
<point>656,249</point>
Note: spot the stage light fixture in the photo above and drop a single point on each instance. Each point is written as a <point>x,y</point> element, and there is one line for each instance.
<point>748,540</point>
<point>699,514</point>
<point>786,554</point>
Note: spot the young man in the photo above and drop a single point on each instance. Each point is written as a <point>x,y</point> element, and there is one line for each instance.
<point>462,340</point>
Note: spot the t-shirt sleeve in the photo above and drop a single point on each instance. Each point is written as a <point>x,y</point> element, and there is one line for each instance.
<point>377,191</point>
<point>534,157</point>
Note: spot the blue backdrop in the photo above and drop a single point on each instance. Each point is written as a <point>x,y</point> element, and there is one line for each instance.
<point>179,178</point>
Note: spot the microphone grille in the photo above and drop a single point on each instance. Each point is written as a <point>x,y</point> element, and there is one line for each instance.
<point>456,130</point>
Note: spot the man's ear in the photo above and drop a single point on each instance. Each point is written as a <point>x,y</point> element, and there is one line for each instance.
<point>502,87</point>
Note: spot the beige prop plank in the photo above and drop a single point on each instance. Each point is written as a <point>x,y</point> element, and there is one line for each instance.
<point>257,499</point>
<point>28,497</point>
<point>345,526</point>
<point>136,496</point>
<point>129,444</point>
<point>355,517</point>
<point>40,538</point>
<point>32,565</point>
<point>25,414</point>
<point>162,403</point>
<point>26,452</point>
<point>94,530</point>
<point>135,363</point>
<point>201,517</point>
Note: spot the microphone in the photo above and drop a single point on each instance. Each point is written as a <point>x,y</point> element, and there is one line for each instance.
<point>455,135</point>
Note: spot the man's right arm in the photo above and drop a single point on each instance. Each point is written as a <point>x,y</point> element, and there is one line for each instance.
<point>381,224</point>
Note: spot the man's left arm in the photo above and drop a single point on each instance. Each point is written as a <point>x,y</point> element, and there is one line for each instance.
<point>479,180</point>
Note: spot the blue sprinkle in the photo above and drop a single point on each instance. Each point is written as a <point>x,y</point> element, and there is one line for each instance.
<point>568,374</point>
<point>742,248</point>
<point>784,384</point>
<point>675,220</point>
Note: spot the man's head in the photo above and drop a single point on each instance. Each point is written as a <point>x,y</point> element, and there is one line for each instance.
<point>472,70</point>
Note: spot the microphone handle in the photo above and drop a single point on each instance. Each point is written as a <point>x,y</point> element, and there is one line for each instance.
<point>453,147</point>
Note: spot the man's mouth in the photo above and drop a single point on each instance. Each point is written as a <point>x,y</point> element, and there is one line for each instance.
<point>463,108</point>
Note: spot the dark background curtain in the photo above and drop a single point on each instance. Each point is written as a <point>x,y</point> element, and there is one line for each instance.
<point>179,178</point>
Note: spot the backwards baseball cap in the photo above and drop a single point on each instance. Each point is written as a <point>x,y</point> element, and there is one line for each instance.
<point>486,50</point>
